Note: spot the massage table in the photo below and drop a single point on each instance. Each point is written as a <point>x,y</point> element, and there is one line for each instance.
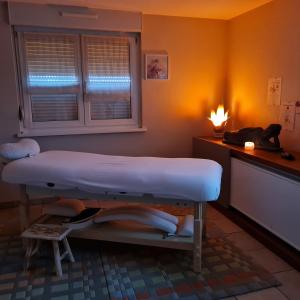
<point>177,181</point>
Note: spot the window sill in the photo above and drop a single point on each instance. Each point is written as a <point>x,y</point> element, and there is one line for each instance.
<point>79,130</point>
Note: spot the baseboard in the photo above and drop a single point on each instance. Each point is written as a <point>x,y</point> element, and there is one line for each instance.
<point>268,239</point>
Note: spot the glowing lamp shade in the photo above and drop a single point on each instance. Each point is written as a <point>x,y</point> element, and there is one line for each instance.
<point>219,119</point>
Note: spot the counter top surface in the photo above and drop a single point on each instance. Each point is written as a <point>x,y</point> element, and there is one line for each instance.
<point>272,159</point>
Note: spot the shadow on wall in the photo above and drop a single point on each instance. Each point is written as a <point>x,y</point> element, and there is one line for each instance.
<point>196,113</point>
<point>235,123</point>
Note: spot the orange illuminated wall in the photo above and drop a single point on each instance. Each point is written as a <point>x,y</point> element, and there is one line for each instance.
<point>264,43</point>
<point>197,56</point>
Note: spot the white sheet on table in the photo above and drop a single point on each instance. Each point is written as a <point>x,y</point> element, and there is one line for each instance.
<point>184,178</point>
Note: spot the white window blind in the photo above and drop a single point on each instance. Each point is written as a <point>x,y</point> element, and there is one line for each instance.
<point>46,108</point>
<point>52,76</point>
<point>107,75</point>
<point>75,82</point>
<point>51,61</point>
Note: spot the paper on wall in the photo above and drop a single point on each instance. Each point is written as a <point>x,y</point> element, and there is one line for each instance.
<point>287,115</point>
<point>274,91</point>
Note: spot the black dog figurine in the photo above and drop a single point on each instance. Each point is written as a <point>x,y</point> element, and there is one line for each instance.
<point>259,136</point>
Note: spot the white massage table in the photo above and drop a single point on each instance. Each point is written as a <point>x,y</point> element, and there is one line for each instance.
<point>179,181</point>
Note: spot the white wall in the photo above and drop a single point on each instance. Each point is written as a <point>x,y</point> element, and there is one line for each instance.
<point>173,111</point>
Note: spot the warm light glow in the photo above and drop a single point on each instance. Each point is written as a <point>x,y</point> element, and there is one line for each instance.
<point>249,146</point>
<point>219,117</point>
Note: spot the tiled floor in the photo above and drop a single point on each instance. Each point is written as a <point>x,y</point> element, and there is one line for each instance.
<point>289,277</point>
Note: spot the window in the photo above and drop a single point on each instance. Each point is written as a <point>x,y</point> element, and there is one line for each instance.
<point>78,83</point>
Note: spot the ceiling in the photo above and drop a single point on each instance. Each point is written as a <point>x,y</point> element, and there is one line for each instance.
<point>212,9</point>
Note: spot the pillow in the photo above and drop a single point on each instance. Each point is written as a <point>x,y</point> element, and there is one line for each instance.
<point>20,149</point>
<point>65,208</point>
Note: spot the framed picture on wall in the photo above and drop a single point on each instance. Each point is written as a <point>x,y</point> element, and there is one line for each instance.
<point>156,66</point>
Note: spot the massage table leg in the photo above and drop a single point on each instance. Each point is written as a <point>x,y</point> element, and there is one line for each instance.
<point>204,219</point>
<point>197,244</point>
<point>24,208</point>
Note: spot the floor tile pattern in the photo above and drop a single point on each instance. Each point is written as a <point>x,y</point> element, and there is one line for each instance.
<point>218,227</point>
<point>118,271</point>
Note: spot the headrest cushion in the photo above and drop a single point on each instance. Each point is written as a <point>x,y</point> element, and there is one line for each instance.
<point>20,149</point>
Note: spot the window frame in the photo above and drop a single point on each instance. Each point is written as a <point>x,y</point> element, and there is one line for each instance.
<point>84,124</point>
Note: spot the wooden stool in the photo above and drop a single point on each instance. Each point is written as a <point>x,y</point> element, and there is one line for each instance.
<point>51,232</point>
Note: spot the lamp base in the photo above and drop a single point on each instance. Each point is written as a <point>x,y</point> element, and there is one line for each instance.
<point>219,130</point>
<point>219,134</point>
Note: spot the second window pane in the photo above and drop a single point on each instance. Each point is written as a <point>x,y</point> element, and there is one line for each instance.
<point>108,80</point>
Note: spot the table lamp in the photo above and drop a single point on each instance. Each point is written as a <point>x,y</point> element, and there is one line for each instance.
<point>219,120</point>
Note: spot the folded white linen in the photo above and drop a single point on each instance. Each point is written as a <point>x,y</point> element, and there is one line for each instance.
<point>20,149</point>
<point>142,218</point>
<point>178,178</point>
<point>186,228</point>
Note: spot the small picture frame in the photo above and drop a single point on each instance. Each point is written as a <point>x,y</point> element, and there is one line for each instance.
<point>156,66</point>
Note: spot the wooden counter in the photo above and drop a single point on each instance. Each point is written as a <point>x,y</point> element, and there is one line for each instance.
<point>261,190</point>
<point>268,158</point>
<point>214,148</point>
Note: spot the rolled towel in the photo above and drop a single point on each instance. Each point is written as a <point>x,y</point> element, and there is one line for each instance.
<point>186,228</point>
<point>136,209</point>
<point>20,149</point>
<point>142,218</point>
